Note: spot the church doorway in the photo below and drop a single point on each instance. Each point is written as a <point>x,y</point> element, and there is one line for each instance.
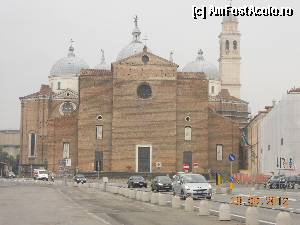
<point>143,158</point>
<point>98,160</point>
<point>188,159</point>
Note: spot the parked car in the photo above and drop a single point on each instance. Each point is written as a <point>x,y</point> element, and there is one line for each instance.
<point>161,183</point>
<point>276,182</point>
<point>293,181</point>
<point>136,181</point>
<point>40,174</point>
<point>192,185</point>
<point>11,174</point>
<point>79,178</point>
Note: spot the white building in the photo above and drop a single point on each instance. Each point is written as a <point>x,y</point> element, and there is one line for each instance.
<point>280,136</point>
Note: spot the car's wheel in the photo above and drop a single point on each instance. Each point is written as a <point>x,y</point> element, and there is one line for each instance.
<point>291,185</point>
<point>208,197</point>
<point>183,197</point>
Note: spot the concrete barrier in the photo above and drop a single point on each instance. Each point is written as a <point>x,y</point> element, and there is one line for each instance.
<point>252,216</point>
<point>283,218</point>
<point>154,198</point>
<point>224,212</point>
<point>120,191</point>
<point>189,205</point>
<point>146,196</point>
<point>203,208</point>
<point>138,195</point>
<point>162,199</point>
<point>176,203</point>
<point>132,193</point>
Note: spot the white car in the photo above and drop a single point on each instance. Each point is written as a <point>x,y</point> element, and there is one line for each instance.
<point>192,185</point>
<point>40,174</point>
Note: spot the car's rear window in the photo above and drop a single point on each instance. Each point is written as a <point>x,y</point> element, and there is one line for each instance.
<point>164,179</point>
<point>138,178</point>
<point>42,172</point>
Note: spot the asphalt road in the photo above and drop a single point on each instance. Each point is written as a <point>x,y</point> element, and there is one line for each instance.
<point>41,203</point>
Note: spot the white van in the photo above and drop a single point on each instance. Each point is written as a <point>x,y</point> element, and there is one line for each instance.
<point>40,174</point>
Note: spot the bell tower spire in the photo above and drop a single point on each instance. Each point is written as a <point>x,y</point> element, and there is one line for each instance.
<point>230,58</point>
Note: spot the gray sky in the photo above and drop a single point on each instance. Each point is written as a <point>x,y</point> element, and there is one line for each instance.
<point>34,34</point>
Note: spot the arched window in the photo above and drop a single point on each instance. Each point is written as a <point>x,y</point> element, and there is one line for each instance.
<point>227,45</point>
<point>212,89</point>
<point>235,45</point>
<point>187,133</point>
<point>32,144</point>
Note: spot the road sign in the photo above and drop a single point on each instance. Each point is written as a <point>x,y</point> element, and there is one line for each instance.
<point>196,165</point>
<point>231,179</point>
<point>158,164</point>
<point>231,157</point>
<point>186,166</point>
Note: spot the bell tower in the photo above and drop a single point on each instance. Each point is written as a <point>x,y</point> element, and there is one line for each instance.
<point>230,59</point>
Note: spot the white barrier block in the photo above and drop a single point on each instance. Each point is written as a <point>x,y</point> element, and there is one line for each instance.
<point>283,218</point>
<point>203,208</point>
<point>162,199</point>
<point>189,205</point>
<point>224,212</point>
<point>154,198</point>
<point>252,216</point>
<point>132,194</point>
<point>138,195</point>
<point>176,203</point>
<point>146,196</point>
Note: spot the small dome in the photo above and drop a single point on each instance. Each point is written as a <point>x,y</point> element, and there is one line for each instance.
<point>135,46</point>
<point>102,65</point>
<point>70,65</point>
<point>201,65</point>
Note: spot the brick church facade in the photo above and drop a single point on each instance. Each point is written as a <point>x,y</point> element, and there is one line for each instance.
<point>138,114</point>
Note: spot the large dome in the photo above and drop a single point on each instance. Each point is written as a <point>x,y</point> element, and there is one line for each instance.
<point>201,65</point>
<point>135,46</point>
<point>68,66</point>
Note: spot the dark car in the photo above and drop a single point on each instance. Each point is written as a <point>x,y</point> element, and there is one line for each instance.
<point>293,181</point>
<point>276,182</point>
<point>161,183</point>
<point>136,181</point>
<point>79,178</point>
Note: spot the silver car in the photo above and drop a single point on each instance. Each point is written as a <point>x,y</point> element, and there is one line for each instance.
<point>192,185</point>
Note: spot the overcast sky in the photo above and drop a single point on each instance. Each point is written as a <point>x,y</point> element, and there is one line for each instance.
<point>34,34</point>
